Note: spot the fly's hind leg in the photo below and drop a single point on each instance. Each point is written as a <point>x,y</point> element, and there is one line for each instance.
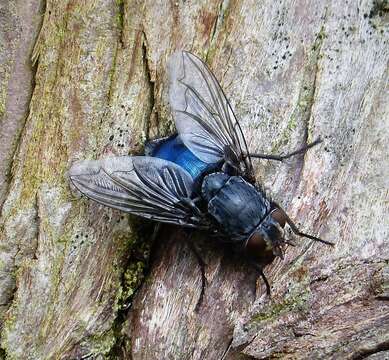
<point>287,156</point>
<point>202,265</point>
<point>259,268</point>
<point>264,278</point>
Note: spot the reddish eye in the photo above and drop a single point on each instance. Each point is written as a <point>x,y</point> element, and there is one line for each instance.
<point>279,216</point>
<point>258,250</point>
<point>256,243</point>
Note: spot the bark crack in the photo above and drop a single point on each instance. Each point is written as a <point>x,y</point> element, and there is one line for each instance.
<point>314,69</point>
<point>38,222</point>
<point>384,346</point>
<point>119,349</point>
<point>33,63</point>
<point>223,7</point>
<point>306,99</point>
<point>113,74</point>
<point>11,298</point>
<point>151,82</point>
<point>120,21</point>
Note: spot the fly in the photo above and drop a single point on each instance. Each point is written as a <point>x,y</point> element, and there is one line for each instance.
<point>201,178</point>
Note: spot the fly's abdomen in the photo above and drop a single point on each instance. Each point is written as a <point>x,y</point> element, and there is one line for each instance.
<point>236,205</point>
<point>174,150</point>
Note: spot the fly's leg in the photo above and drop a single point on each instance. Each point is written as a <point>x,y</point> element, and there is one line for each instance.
<point>202,264</point>
<point>294,228</point>
<point>287,156</point>
<point>197,216</point>
<point>264,278</point>
<point>259,268</point>
<point>191,203</point>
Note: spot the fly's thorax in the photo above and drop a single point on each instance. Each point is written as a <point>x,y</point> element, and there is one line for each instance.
<point>212,184</point>
<point>267,240</point>
<point>235,204</point>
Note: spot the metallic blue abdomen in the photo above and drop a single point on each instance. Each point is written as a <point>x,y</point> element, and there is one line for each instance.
<point>174,150</point>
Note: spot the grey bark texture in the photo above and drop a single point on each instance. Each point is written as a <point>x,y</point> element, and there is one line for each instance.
<point>85,79</point>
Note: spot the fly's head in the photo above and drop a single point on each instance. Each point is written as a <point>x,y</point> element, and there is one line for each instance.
<point>267,241</point>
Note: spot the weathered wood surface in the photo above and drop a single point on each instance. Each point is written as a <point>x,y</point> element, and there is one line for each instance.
<point>293,70</point>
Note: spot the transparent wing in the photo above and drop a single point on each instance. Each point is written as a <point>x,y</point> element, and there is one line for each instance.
<point>204,117</point>
<point>149,187</point>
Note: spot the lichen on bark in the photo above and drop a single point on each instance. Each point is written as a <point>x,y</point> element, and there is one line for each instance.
<point>70,270</point>
<point>52,251</point>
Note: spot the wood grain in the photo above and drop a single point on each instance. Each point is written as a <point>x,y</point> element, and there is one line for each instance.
<point>293,70</point>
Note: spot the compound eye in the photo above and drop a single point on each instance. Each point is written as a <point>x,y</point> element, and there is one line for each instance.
<point>279,216</point>
<point>258,250</point>
<point>256,243</point>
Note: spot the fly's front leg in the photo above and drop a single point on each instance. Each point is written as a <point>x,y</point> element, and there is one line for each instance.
<point>287,156</point>
<point>191,203</point>
<point>196,216</point>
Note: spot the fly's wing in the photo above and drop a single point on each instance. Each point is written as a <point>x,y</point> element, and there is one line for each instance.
<point>204,117</point>
<point>150,187</point>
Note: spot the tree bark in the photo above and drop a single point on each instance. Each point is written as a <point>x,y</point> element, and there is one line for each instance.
<point>86,79</point>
